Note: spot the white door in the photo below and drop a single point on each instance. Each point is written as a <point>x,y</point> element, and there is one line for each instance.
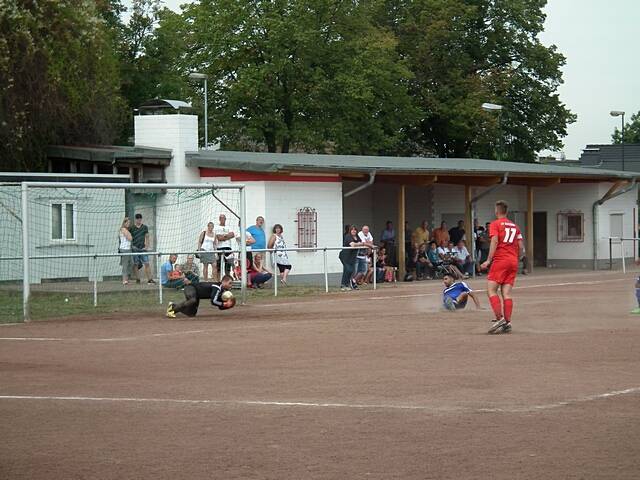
<point>615,225</point>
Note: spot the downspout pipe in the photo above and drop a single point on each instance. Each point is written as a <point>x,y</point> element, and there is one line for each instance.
<point>607,196</point>
<point>474,200</point>
<point>372,178</point>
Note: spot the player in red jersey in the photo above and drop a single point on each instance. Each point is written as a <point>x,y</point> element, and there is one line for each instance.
<point>504,255</point>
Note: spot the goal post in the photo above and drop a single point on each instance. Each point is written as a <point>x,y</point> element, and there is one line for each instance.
<point>70,238</point>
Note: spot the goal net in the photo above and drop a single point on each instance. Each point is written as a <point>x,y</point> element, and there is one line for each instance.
<point>85,246</point>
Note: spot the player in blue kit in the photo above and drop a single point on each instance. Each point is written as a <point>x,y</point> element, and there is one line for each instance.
<point>456,294</point>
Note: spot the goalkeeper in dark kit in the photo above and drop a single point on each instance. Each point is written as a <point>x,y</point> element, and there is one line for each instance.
<point>218,292</point>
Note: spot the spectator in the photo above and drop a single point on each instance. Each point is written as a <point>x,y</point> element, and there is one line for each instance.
<point>258,275</point>
<point>383,271</point>
<point>282,259</point>
<point>206,247</point>
<point>124,246</point>
<point>420,235</point>
<point>366,239</point>
<point>223,243</point>
<point>190,269</point>
<point>388,236</point>
<point>441,235</point>
<point>170,274</point>
<point>408,251</point>
<point>140,243</point>
<point>258,234</point>
<point>447,257</point>
<point>424,267</point>
<point>483,242</point>
<point>433,255</point>
<point>348,259</point>
<point>457,233</point>
<point>463,259</point>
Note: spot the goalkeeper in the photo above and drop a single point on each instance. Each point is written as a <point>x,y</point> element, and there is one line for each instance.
<point>219,293</point>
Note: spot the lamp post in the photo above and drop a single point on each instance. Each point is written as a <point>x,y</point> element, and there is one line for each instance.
<point>203,76</point>
<point>620,113</point>
<point>492,107</point>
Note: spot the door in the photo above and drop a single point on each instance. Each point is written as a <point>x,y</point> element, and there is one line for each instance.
<point>539,239</point>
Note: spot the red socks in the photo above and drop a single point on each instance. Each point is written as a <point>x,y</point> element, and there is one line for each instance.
<point>508,309</point>
<point>497,306</point>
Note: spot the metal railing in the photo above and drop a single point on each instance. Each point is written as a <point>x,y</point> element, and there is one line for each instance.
<point>224,263</point>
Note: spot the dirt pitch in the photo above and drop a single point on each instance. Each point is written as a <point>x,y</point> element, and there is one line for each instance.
<point>374,385</point>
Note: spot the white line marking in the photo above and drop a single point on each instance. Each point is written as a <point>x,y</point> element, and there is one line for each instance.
<point>359,406</point>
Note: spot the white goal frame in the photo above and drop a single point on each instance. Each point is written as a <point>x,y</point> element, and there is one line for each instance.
<point>26,186</point>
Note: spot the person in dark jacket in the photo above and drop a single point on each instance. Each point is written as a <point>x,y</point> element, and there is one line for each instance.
<point>348,259</point>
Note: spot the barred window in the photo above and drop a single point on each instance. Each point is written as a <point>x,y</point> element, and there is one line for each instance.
<point>570,226</point>
<point>307,220</point>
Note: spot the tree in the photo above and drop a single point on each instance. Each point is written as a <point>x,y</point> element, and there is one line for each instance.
<point>58,80</point>
<point>465,53</point>
<point>311,75</point>
<point>631,131</point>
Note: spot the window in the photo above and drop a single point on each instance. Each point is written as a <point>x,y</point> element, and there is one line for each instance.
<point>63,221</point>
<point>570,227</point>
<point>307,219</point>
<point>615,225</point>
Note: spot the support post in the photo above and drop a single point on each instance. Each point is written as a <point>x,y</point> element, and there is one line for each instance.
<point>529,229</point>
<point>610,253</point>
<point>375,270</point>
<point>468,220</point>
<point>275,274</point>
<point>243,245</point>
<point>624,266</point>
<point>26,292</point>
<point>402,264</point>
<point>95,280</point>
<point>326,272</point>
<point>158,268</point>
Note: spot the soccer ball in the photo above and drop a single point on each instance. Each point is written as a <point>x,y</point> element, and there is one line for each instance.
<point>227,296</point>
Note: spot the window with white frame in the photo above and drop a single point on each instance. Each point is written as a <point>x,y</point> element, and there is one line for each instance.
<point>63,221</point>
<point>307,220</point>
<point>570,226</point>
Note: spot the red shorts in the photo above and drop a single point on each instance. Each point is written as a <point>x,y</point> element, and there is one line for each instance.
<point>503,273</point>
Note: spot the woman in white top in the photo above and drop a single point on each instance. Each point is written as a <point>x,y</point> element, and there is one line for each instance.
<point>282,259</point>
<point>207,243</point>
<point>124,246</point>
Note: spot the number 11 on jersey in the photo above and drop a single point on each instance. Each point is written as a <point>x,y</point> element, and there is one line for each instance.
<point>509,235</point>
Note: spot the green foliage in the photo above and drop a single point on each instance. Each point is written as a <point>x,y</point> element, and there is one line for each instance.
<point>300,74</point>
<point>58,79</point>
<point>631,131</point>
<point>465,53</point>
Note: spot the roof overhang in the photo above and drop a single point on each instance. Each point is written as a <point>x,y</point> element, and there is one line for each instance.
<point>112,154</point>
<point>405,170</point>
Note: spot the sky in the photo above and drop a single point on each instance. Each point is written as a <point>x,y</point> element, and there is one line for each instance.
<point>602,73</point>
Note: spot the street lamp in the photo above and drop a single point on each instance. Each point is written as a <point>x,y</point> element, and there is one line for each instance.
<point>620,113</point>
<point>493,107</point>
<point>203,76</point>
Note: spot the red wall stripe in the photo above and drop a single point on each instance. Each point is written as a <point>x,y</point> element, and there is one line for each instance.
<point>243,176</point>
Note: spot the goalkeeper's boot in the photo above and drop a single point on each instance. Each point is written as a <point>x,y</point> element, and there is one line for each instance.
<point>498,325</point>
<point>635,311</point>
<point>170,312</point>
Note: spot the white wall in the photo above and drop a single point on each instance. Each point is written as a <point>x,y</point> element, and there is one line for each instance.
<point>625,205</point>
<point>177,132</point>
<point>282,202</point>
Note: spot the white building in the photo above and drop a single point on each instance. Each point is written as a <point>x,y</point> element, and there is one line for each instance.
<point>567,213</point>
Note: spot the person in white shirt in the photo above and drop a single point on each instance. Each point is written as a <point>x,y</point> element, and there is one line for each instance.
<point>223,242</point>
<point>361,258</point>
<point>448,257</point>
<point>124,246</point>
<point>463,259</point>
